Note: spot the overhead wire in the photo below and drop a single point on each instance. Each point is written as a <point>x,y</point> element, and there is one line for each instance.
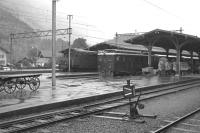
<point>38,14</point>
<point>47,20</point>
<point>162,9</point>
<point>41,9</point>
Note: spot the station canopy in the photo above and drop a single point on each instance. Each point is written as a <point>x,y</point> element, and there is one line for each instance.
<point>167,40</point>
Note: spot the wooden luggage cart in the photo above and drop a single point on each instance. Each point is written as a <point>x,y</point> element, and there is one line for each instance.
<point>9,83</point>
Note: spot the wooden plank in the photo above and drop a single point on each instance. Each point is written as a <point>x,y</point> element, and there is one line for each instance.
<point>41,121</point>
<point>115,113</point>
<point>18,75</point>
<point>110,117</point>
<point>19,126</point>
<point>3,131</point>
<point>58,117</point>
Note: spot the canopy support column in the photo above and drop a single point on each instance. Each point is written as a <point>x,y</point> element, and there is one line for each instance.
<point>191,61</point>
<point>167,53</point>
<point>149,55</point>
<point>178,54</point>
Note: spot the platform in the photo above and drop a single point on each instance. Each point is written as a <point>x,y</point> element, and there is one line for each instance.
<point>68,89</point>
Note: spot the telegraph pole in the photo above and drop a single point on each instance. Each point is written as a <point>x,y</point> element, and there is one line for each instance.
<point>70,32</point>
<point>181,30</point>
<point>11,48</point>
<point>116,40</point>
<point>53,44</point>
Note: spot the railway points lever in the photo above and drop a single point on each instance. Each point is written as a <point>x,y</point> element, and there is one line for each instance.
<point>129,92</point>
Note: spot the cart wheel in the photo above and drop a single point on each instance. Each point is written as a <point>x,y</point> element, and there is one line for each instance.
<point>34,83</point>
<point>20,83</point>
<point>1,88</point>
<point>9,86</point>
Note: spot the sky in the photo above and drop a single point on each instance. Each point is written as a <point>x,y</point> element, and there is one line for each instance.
<point>99,20</point>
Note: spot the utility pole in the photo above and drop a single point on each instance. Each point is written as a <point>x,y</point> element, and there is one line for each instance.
<point>70,32</point>
<point>116,40</point>
<point>53,44</point>
<point>181,30</point>
<point>11,48</point>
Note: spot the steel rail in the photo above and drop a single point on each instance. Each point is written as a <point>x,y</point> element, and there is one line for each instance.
<point>146,93</point>
<point>164,128</point>
<point>72,116</point>
<point>65,111</point>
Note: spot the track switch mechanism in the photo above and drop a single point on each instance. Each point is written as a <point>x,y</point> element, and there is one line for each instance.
<point>129,92</point>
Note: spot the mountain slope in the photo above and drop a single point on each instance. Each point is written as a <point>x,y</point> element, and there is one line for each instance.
<point>10,24</point>
<point>17,20</point>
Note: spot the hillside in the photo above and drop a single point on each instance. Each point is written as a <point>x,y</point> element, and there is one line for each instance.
<point>11,23</point>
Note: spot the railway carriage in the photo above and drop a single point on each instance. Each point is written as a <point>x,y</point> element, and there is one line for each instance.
<point>123,62</point>
<point>81,60</point>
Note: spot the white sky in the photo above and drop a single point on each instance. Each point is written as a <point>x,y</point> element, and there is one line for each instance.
<point>106,17</point>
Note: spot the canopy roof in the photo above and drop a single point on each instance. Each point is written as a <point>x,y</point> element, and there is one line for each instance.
<point>167,40</point>
<point>120,43</point>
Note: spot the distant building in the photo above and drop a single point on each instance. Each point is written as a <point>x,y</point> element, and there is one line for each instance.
<point>46,53</point>
<point>25,63</point>
<point>3,56</point>
<point>41,62</point>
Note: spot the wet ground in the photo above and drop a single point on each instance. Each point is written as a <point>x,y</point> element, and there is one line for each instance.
<point>166,107</point>
<point>73,88</point>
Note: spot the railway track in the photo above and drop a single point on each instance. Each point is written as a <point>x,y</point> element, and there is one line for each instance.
<point>82,77</point>
<point>186,124</point>
<point>26,123</point>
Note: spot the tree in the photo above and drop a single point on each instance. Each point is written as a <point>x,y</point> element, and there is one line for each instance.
<point>34,53</point>
<point>79,43</point>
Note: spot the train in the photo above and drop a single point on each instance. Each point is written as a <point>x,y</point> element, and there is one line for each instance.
<point>81,60</point>
<point>113,62</point>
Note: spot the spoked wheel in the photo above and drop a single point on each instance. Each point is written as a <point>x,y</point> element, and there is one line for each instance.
<point>1,88</point>
<point>9,86</point>
<point>34,83</point>
<point>20,83</point>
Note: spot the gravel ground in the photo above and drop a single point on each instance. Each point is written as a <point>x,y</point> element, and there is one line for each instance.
<point>166,107</point>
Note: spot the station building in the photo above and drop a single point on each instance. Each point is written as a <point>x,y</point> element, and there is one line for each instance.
<point>169,40</point>
<point>175,46</point>
<point>157,42</point>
